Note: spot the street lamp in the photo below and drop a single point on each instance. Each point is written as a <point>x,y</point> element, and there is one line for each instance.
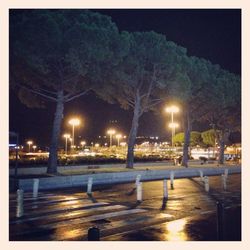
<point>74,122</point>
<point>83,143</point>
<point>111,132</point>
<point>29,143</point>
<point>172,109</point>
<point>34,148</point>
<point>173,126</point>
<point>66,136</point>
<point>118,137</point>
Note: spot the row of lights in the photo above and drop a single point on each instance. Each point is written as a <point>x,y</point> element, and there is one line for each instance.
<point>111,132</point>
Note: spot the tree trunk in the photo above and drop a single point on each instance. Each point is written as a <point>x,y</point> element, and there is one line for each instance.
<point>221,152</point>
<point>222,138</point>
<point>52,163</point>
<point>132,135</point>
<point>187,131</point>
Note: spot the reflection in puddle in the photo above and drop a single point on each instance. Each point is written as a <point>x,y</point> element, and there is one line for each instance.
<point>176,230</point>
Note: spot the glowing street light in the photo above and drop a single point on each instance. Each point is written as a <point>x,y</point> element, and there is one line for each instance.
<point>111,132</point>
<point>34,148</point>
<point>66,136</point>
<point>74,122</point>
<point>29,143</point>
<point>83,143</point>
<point>172,109</point>
<point>118,137</point>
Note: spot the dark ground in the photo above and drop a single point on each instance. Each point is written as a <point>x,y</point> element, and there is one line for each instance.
<point>188,215</point>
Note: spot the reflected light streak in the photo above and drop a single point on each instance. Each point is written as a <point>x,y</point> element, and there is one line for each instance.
<point>176,230</point>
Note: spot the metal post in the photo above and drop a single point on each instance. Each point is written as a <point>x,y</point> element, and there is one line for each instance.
<point>201,175</point>
<point>206,182</point>
<point>139,192</point>
<point>35,187</point>
<point>224,181</point>
<point>165,189</point>
<point>19,210</point>
<point>172,179</point>
<point>93,234</point>
<point>138,178</point>
<point>220,220</point>
<point>90,183</point>
<point>226,172</point>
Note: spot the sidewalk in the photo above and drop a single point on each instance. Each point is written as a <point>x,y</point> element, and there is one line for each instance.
<point>123,175</point>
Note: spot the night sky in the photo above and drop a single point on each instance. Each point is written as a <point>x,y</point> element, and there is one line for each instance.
<point>212,34</point>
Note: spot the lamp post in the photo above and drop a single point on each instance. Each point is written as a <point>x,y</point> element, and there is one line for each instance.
<point>66,136</point>
<point>173,126</point>
<point>34,148</point>
<point>83,143</point>
<point>172,109</point>
<point>110,132</point>
<point>74,122</point>
<point>118,137</point>
<point>29,143</point>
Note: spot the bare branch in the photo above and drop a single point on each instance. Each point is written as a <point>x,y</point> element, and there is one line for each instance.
<point>38,93</point>
<point>70,98</point>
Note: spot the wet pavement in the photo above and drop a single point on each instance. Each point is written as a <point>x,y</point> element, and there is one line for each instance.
<point>189,213</point>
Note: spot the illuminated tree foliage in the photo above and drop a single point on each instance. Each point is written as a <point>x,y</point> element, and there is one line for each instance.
<point>195,138</point>
<point>56,55</point>
<point>209,137</point>
<point>224,114</point>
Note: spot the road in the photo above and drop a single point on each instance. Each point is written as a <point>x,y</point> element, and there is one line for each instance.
<point>189,213</point>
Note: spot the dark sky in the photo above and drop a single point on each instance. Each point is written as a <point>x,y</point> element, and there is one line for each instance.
<point>212,34</point>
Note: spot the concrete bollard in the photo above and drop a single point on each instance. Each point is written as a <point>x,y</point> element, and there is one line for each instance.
<point>35,187</point>
<point>224,181</point>
<point>19,209</point>
<point>201,175</point>
<point>165,189</point>
<point>139,192</point>
<point>138,178</point>
<point>206,183</point>
<point>220,220</point>
<point>90,183</point>
<point>172,179</point>
<point>93,234</point>
<point>226,172</point>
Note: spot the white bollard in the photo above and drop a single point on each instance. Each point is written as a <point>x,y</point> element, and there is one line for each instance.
<point>224,181</point>
<point>165,189</point>
<point>139,191</point>
<point>19,209</point>
<point>206,182</point>
<point>90,183</point>
<point>35,187</point>
<point>226,172</point>
<point>201,175</point>
<point>172,179</point>
<point>138,178</point>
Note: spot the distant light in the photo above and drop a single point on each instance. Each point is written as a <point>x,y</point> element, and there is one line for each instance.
<point>173,125</point>
<point>97,145</point>
<point>29,142</point>
<point>111,132</point>
<point>83,143</point>
<point>74,121</point>
<point>66,136</point>
<point>172,109</point>
<point>118,136</point>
